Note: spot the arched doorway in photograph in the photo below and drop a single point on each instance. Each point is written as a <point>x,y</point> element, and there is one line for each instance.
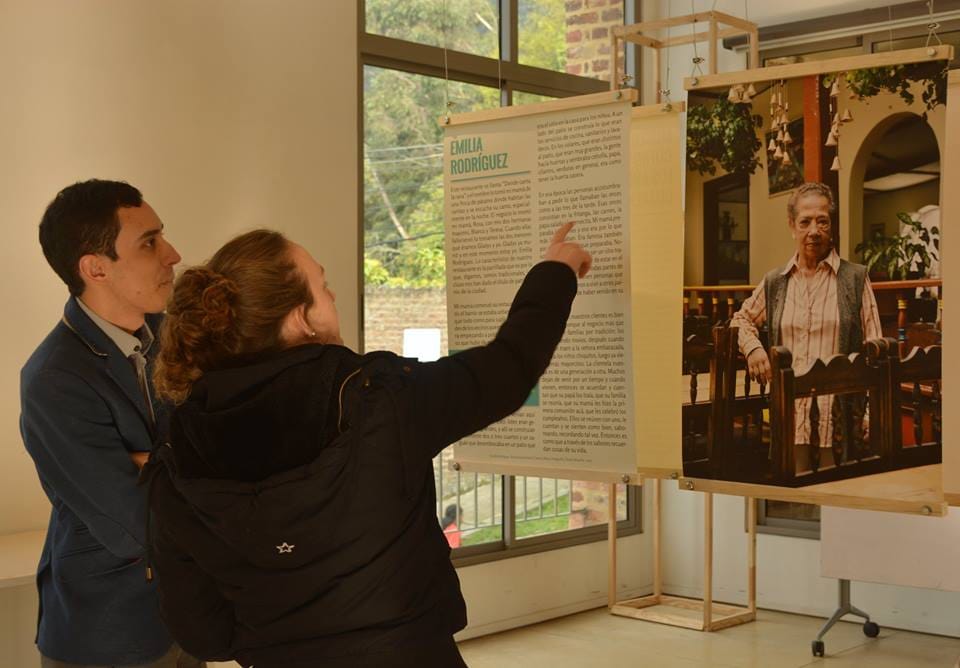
<point>897,169</point>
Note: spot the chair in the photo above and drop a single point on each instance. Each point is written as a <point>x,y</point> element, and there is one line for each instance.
<point>918,378</point>
<point>698,354</point>
<point>847,379</point>
<point>738,439</point>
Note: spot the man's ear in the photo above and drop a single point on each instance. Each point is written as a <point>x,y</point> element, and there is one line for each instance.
<point>92,269</point>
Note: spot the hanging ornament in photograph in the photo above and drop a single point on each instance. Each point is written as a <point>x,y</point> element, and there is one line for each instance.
<point>780,138</point>
<point>833,137</point>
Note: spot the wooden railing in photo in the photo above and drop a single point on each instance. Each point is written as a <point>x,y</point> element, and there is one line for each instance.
<point>698,358</point>
<point>911,320</point>
<point>713,303</point>
<point>739,443</point>
<point>924,328</point>
<point>916,407</point>
<point>854,382</point>
<point>727,438</point>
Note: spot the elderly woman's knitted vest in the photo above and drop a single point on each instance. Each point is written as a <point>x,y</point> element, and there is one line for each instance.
<point>850,281</point>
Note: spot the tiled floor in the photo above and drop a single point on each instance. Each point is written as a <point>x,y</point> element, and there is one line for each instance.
<point>775,640</point>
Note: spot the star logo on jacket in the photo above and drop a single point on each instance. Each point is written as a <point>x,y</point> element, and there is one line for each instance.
<point>285,548</point>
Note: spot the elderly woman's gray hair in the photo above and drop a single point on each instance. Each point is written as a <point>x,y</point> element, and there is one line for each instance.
<point>810,188</point>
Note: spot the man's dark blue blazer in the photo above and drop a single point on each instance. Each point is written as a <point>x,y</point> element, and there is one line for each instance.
<point>82,413</point>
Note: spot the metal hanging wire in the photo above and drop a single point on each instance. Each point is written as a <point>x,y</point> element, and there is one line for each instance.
<point>665,87</point>
<point>446,68</point>
<point>499,55</point>
<point>697,60</point>
<point>932,27</point>
<point>890,24</point>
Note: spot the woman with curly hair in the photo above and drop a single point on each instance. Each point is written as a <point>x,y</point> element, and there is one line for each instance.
<point>293,505</point>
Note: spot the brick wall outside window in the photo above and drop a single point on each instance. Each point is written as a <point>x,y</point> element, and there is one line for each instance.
<point>588,36</point>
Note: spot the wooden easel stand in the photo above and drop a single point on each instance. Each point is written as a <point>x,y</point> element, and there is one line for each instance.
<point>664,609</point>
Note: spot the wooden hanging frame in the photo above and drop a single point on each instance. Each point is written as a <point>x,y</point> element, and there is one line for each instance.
<point>659,607</point>
<point>719,26</point>
<point>917,491</point>
<point>675,610</point>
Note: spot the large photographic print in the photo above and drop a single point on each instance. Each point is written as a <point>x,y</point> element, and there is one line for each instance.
<point>811,324</point>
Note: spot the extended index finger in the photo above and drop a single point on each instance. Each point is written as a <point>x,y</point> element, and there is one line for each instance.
<point>561,233</point>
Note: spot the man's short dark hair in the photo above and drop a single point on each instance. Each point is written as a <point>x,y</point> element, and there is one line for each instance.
<point>82,220</point>
<point>810,188</point>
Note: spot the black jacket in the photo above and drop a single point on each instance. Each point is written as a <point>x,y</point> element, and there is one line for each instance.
<point>294,508</point>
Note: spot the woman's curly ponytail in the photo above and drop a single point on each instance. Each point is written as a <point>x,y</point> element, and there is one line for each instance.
<point>227,309</point>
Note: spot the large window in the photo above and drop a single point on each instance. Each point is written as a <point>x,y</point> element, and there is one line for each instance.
<point>420,57</point>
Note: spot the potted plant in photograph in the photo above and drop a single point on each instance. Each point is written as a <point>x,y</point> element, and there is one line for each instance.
<point>903,256</point>
<point>931,78</point>
<point>724,134</point>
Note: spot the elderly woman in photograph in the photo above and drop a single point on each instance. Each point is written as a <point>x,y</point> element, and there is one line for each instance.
<point>817,305</point>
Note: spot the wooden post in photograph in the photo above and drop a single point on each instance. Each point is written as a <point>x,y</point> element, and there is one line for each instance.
<point>812,130</point>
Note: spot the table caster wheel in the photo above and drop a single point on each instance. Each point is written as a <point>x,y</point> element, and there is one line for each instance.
<point>870,629</point>
<point>817,647</point>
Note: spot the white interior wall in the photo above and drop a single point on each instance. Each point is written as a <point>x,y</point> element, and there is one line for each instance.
<point>227,114</point>
<point>197,105</point>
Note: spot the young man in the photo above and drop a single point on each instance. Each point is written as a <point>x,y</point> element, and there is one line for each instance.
<point>88,421</point>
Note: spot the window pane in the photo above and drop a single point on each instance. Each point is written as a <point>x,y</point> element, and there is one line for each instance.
<point>520,97</point>
<point>548,505</point>
<point>405,307</point>
<point>403,194</point>
<point>469,505</point>
<point>789,510</point>
<point>459,25</point>
<point>570,36</point>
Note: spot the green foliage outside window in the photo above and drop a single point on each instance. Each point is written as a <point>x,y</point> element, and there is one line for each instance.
<point>403,180</point>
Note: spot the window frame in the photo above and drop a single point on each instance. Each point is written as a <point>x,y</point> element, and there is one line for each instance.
<point>509,76</point>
